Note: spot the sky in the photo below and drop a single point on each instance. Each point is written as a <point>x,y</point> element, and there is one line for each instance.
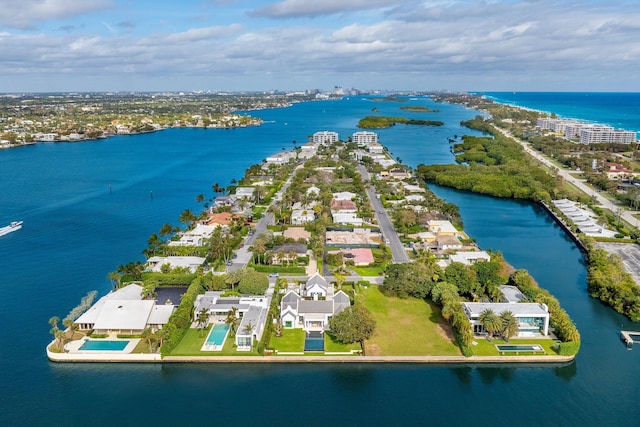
<point>235,45</point>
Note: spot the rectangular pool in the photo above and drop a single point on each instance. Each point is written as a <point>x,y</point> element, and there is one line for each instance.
<point>104,345</point>
<point>216,337</point>
<point>519,347</point>
<point>314,342</point>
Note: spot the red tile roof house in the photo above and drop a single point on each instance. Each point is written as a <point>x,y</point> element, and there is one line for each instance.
<point>361,256</point>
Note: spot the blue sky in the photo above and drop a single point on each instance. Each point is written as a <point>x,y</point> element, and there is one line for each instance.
<point>474,45</point>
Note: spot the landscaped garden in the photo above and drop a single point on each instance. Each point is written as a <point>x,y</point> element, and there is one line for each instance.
<point>194,339</point>
<point>484,347</point>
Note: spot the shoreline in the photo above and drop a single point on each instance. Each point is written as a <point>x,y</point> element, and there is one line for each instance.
<point>449,360</point>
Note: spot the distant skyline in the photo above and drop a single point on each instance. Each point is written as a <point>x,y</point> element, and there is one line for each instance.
<point>233,45</point>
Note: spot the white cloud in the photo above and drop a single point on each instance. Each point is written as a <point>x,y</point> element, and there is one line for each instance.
<point>474,45</point>
<point>315,8</point>
<point>26,14</point>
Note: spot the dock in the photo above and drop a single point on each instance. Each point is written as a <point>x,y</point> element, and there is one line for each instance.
<point>626,337</point>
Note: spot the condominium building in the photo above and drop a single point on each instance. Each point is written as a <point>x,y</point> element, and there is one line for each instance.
<point>325,137</point>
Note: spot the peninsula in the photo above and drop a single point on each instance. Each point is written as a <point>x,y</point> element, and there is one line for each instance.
<point>320,253</point>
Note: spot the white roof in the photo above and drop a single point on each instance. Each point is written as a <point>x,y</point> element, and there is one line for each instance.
<point>344,195</point>
<point>124,315</point>
<point>442,226</point>
<point>465,257</point>
<point>192,262</point>
<point>244,191</point>
<point>160,314</point>
<point>346,218</point>
<point>473,309</point>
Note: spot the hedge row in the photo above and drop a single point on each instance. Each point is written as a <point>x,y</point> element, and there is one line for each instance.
<point>564,328</point>
<point>170,278</point>
<point>180,320</point>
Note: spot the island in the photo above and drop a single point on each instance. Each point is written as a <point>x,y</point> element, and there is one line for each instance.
<point>323,253</point>
<point>379,122</point>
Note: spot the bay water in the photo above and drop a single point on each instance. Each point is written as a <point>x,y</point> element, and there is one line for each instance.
<point>89,207</point>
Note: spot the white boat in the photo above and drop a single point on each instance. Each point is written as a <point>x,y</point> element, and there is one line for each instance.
<point>14,226</point>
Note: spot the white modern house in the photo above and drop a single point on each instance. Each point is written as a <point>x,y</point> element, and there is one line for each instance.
<point>533,318</point>
<point>124,311</point>
<point>302,216</point>
<point>347,219</point>
<point>155,263</point>
<point>313,307</point>
<point>195,237</point>
<point>245,192</point>
<point>251,309</point>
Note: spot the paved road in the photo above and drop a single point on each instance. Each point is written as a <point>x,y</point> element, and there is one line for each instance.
<point>386,226</point>
<point>243,256</point>
<point>580,183</point>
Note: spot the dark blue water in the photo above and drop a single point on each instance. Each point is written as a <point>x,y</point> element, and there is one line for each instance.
<point>620,110</point>
<point>76,232</point>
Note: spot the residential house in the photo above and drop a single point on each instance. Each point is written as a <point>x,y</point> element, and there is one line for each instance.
<point>307,310</point>
<point>343,206</point>
<point>124,311</point>
<point>302,216</point>
<point>442,228</point>
<point>245,192</point>
<point>361,257</point>
<point>155,263</point>
<point>533,318</point>
<point>222,219</point>
<point>347,219</point>
<point>251,309</point>
<point>448,243</point>
<point>195,237</point>
<point>285,253</point>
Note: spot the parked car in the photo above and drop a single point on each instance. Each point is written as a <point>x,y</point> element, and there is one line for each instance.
<point>274,275</point>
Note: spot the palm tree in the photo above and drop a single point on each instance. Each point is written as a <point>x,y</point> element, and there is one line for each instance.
<point>200,198</point>
<point>202,319</point>
<point>115,278</point>
<point>232,318</point>
<point>187,217</point>
<point>291,255</point>
<point>217,188</point>
<point>510,325</point>
<point>490,321</point>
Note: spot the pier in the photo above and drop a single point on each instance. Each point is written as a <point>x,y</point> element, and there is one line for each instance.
<point>627,339</point>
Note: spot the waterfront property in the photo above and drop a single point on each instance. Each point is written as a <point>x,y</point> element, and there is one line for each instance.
<point>124,311</point>
<point>252,311</point>
<point>194,237</point>
<point>533,319</point>
<point>155,263</point>
<point>313,306</point>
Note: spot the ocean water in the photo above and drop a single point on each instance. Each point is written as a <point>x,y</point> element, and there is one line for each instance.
<point>77,230</point>
<point>620,110</point>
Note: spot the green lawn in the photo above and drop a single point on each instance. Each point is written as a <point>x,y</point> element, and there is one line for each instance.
<point>369,271</point>
<point>292,340</point>
<point>332,346</point>
<point>193,340</point>
<point>486,348</point>
<point>410,327</point>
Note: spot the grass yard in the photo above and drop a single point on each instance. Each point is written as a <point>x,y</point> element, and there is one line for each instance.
<point>292,340</point>
<point>193,341</point>
<point>369,271</point>
<point>410,327</point>
<point>485,347</point>
<point>331,346</point>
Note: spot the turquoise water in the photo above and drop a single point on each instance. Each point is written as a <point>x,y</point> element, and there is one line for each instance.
<point>620,110</point>
<point>218,334</point>
<point>76,232</point>
<point>104,345</point>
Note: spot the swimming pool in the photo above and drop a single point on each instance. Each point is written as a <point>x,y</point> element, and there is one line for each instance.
<point>314,342</point>
<point>519,347</point>
<point>104,345</point>
<point>216,337</point>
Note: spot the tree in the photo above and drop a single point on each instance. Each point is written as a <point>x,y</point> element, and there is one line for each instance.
<point>200,198</point>
<point>509,325</point>
<point>152,339</point>
<point>232,318</point>
<point>233,278</point>
<point>491,322</point>
<point>353,324</point>
<point>115,278</point>
<point>202,319</point>
<point>187,217</point>
<point>217,188</point>
<point>253,282</point>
